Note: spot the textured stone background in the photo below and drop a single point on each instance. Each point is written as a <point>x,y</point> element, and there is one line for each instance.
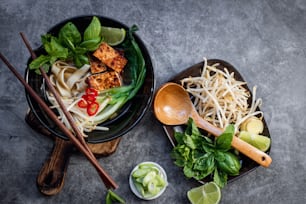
<point>264,40</point>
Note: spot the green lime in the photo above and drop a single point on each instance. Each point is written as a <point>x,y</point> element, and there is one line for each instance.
<point>113,36</point>
<point>259,141</point>
<point>208,193</point>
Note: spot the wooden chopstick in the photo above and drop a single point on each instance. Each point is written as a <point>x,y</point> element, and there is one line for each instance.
<point>57,97</point>
<point>107,180</point>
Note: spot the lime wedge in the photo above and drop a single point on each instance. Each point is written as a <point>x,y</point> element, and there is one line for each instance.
<point>113,36</point>
<point>208,193</point>
<point>259,141</point>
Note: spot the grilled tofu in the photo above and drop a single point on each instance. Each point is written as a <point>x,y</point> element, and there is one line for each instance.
<point>104,80</point>
<point>111,57</point>
<point>96,66</point>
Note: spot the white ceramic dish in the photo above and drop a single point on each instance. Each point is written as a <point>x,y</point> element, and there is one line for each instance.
<point>136,192</point>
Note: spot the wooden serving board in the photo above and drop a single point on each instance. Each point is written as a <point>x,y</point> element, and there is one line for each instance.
<point>50,179</point>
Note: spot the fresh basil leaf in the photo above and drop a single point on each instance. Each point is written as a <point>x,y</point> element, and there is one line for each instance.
<point>93,31</point>
<point>205,163</point>
<point>39,61</point>
<point>189,142</point>
<point>46,38</point>
<point>230,165</point>
<point>184,151</point>
<point>80,60</point>
<point>207,140</point>
<point>207,147</point>
<point>219,156</point>
<point>91,45</point>
<point>220,178</point>
<point>69,35</point>
<point>45,67</point>
<point>180,162</point>
<point>224,141</point>
<point>188,172</point>
<point>54,48</point>
<point>52,59</point>
<point>179,137</point>
<point>80,50</point>
<point>192,128</point>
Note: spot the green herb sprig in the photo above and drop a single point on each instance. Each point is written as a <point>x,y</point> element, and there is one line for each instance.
<point>200,156</point>
<point>69,45</point>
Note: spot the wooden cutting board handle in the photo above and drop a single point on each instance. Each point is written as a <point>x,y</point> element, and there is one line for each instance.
<point>50,179</point>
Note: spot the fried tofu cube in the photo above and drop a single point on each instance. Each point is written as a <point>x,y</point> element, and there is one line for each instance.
<point>111,57</point>
<point>96,66</point>
<point>105,80</point>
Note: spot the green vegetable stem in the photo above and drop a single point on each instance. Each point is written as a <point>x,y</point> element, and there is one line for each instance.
<point>120,95</point>
<point>111,197</point>
<point>200,156</point>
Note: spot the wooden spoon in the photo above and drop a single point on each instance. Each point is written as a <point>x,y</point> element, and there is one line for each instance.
<point>172,106</point>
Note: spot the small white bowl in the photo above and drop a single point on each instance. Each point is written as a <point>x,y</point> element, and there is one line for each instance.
<point>135,191</point>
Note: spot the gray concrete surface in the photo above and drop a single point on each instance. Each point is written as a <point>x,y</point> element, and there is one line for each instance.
<point>264,40</point>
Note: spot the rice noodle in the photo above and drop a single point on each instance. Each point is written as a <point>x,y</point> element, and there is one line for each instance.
<point>70,83</point>
<point>221,99</point>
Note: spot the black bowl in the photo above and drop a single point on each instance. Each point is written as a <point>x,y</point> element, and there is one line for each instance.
<point>129,115</point>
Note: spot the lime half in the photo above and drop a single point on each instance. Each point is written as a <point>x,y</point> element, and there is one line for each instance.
<point>208,193</point>
<point>113,36</point>
<point>259,141</point>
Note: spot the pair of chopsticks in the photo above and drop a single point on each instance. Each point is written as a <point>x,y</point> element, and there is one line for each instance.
<point>77,139</point>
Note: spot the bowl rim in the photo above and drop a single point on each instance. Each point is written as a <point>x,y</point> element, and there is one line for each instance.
<point>150,75</point>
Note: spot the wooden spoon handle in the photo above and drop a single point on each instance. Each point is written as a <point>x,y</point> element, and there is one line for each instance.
<point>248,150</point>
<point>253,153</point>
<point>50,179</point>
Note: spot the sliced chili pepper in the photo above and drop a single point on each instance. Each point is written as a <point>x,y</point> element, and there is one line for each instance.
<point>92,108</point>
<point>89,98</point>
<point>82,103</point>
<point>91,91</point>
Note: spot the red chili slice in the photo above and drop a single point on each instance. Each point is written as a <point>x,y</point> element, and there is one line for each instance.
<point>92,108</point>
<point>89,98</point>
<point>91,91</point>
<point>82,103</point>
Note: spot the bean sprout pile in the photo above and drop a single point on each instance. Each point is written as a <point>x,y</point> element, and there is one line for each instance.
<point>221,99</point>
